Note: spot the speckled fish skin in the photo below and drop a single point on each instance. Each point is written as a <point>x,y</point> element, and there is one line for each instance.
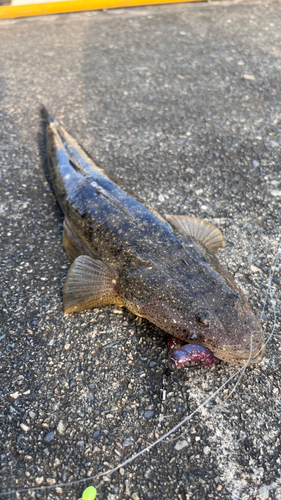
<point>163,275</point>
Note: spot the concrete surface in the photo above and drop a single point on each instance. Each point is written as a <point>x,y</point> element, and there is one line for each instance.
<point>181,104</point>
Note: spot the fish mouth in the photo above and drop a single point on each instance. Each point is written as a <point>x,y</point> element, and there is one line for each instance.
<point>242,357</point>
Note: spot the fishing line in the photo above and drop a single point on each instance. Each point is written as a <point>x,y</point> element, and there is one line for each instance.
<point>271,275</point>
<point>131,459</point>
<point>242,370</point>
<point>182,422</point>
<point>269,292</point>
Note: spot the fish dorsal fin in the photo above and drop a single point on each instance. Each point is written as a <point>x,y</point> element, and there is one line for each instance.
<point>90,283</point>
<point>203,231</point>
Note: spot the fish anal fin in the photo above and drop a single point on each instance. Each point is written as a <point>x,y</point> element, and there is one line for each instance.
<point>90,283</point>
<point>72,243</point>
<point>203,231</point>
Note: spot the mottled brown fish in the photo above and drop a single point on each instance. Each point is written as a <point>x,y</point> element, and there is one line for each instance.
<point>126,254</point>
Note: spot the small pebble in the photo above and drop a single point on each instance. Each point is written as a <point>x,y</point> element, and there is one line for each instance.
<point>127,442</point>
<point>135,496</point>
<point>24,427</point>
<point>15,395</point>
<point>127,491</point>
<point>181,444</point>
<point>255,269</point>
<point>149,414</point>
<point>263,492</point>
<point>61,427</point>
<point>39,480</point>
<point>248,77</point>
<point>49,437</point>
<point>51,481</point>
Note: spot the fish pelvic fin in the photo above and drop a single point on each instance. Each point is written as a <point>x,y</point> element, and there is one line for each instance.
<point>90,283</point>
<point>203,231</point>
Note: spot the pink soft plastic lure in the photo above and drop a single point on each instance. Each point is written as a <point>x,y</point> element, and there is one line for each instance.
<point>190,352</point>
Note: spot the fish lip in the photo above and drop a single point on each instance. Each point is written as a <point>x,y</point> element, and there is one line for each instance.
<point>243,357</point>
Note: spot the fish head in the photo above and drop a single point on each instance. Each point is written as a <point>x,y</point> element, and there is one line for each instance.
<point>199,304</point>
<point>227,325</point>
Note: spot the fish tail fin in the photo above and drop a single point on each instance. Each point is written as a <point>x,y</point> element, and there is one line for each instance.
<point>47,116</point>
<point>60,140</point>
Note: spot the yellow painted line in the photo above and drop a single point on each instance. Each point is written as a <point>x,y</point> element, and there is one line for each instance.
<point>41,9</point>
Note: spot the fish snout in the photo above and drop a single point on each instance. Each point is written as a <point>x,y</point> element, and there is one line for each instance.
<point>241,357</point>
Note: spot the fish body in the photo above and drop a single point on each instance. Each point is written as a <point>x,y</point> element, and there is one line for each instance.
<point>125,253</point>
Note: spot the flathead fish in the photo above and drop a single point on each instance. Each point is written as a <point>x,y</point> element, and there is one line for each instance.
<point>125,253</point>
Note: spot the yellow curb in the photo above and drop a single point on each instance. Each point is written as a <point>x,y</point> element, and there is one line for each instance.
<point>41,9</point>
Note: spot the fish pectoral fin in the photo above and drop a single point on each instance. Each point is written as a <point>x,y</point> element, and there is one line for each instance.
<point>90,283</point>
<point>203,231</point>
<point>73,245</point>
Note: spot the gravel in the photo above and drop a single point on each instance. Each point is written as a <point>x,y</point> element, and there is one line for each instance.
<point>181,104</point>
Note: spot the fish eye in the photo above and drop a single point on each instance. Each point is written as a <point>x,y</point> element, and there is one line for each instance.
<point>203,317</point>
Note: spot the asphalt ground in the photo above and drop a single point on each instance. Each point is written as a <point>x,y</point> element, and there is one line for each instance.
<point>181,104</point>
